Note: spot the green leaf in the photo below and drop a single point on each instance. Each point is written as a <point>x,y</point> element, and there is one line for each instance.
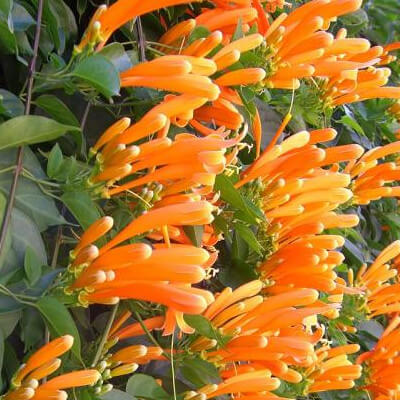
<point>31,200</point>
<point>32,328</point>
<point>25,233</point>
<point>199,372</point>
<point>232,196</point>
<point>205,328</point>
<point>194,233</point>
<point>352,123</point>
<point>30,129</point>
<point>5,12</point>
<point>21,19</point>
<point>201,324</point>
<point>10,105</point>
<point>57,109</point>
<point>115,52</point>
<point>81,7</point>
<point>8,321</point>
<point>238,34</point>
<point>116,394</point>
<point>11,362</point>
<point>2,341</point>
<point>98,72</point>
<point>248,235</point>
<point>198,33</point>
<point>237,273</point>
<point>8,42</point>
<point>240,248</point>
<point>83,208</point>
<point>55,161</point>
<point>32,266</point>
<point>146,387</point>
<point>5,7</point>
<point>30,161</point>
<point>60,321</point>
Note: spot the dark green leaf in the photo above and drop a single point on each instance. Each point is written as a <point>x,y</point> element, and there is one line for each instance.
<point>57,109</point>
<point>8,321</point>
<point>204,327</point>
<point>81,7</point>
<point>146,387</point>
<point>194,233</point>
<point>199,372</point>
<point>55,161</point>
<point>233,197</point>
<point>8,42</point>
<point>201,324</point>
<point>352,123</point>
<point>31,163</point>
<point>98,72</point>
<point>31,200</point>
<point>115,52</point>
<point>32,328</point>
<point>5,8</point>
<point>11,362</point>
<point>240,248</point>
<point>32,266</point>
<point>238,34</point>
<point>248,236</point>
<point>10,105</point>
<point>2,341</point>
<point>60,321</point>
<point>30,129</point>
<point>116,394</point>
<point>21,19</point>
<point>198,33</point>
<point>237,273</point>
<point>82,207</point>
<point>26,234</point>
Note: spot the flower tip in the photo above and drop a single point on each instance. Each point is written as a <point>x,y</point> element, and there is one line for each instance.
<point>68,341</point>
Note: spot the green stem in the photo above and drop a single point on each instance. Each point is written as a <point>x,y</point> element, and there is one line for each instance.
<point>17,297</point>
<point>105,335</point>
<point>172,365</point>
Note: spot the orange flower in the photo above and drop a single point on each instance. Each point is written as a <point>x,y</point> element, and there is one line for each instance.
<point>43,363</point>
<point>383,364</point>
<point>112,18</point>
<point>73,379</point>
<point>334,371</point>
<point>381,295</point>
<point>47,353</point>
<point>370,179</point>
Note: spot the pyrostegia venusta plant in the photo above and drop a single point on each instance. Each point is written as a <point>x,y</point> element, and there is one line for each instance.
<point>221,219</point>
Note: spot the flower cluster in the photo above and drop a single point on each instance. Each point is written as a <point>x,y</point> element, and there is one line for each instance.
<point>189,193</point>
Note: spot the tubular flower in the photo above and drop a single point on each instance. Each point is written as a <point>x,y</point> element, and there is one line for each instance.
<point>259,338</point>
<point>162,275</point>
<point>172,73</point>
<point>43,363</point>
<point>382,364</point>
<point>222,111</point>
<point>382,292</point>
<point>257,335</point>
<point>297,44</point>
<point>372,181</point>
<point>186,163</point>
<point>333,370</point>
<point>250,383</point>
<point>108,19</point>
<point>298,195</point>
